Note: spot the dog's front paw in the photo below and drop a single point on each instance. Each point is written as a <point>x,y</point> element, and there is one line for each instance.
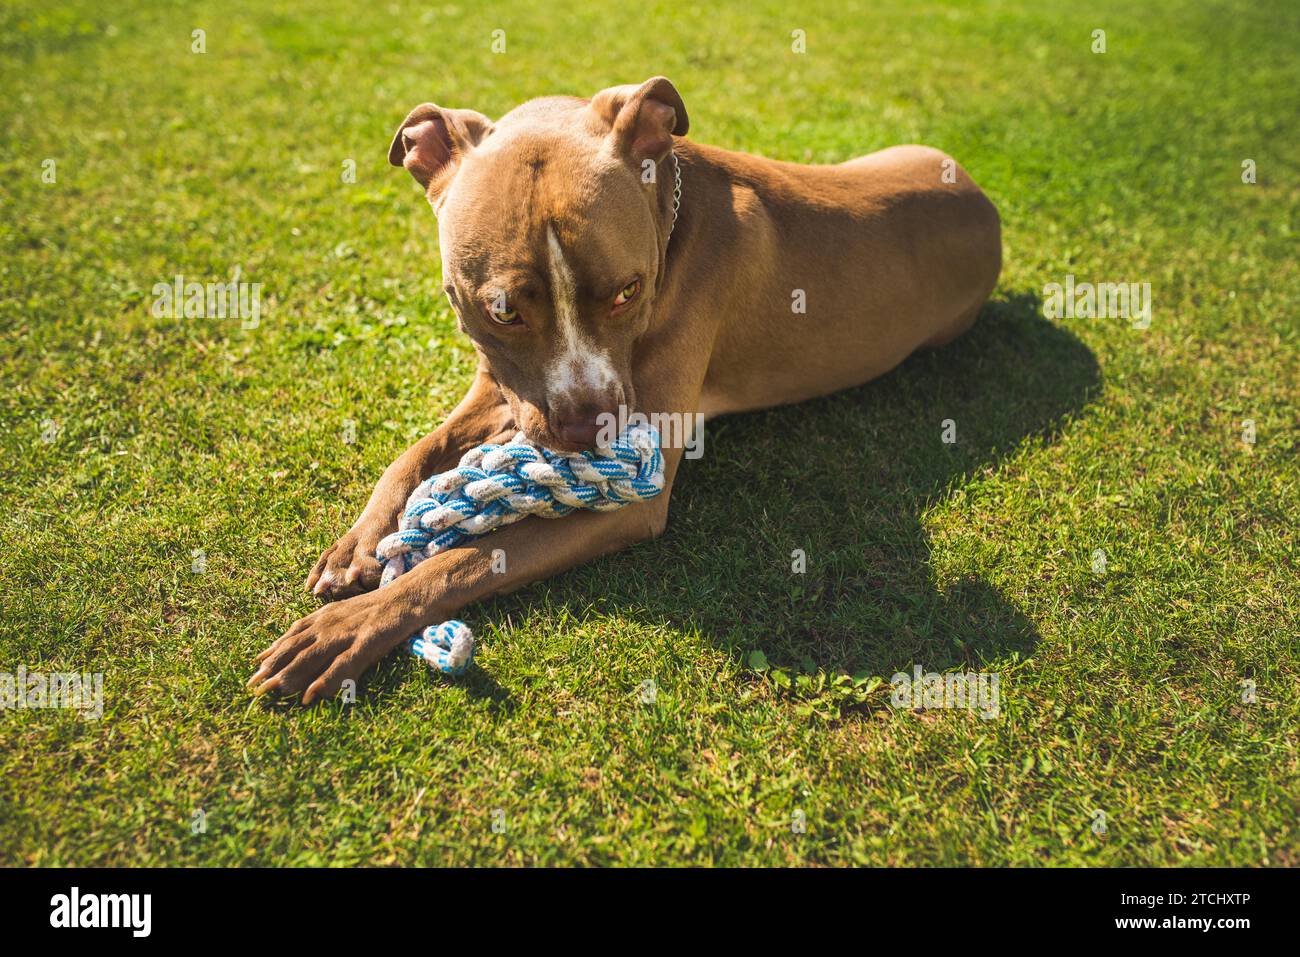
<point>333,644</point>
<point>348,567</point>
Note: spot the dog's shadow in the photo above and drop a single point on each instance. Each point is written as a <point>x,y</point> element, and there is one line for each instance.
<point>841,487</point>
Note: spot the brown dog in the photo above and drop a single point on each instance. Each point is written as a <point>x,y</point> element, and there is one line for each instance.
<point>598,262</point>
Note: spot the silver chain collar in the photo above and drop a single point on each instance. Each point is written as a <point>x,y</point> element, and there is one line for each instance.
<point>677,195</point>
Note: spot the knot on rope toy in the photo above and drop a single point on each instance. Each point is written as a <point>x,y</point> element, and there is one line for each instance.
<point>496,485</point>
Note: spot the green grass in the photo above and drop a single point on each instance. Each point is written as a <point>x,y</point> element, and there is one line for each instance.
<point>1120,692</point>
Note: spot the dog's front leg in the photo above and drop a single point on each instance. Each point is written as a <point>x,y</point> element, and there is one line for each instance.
<point>340,641</point>
<point>349,566</point>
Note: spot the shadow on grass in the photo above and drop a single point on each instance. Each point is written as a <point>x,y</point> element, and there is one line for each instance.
<point>847,479</point>
<point>476,683</point>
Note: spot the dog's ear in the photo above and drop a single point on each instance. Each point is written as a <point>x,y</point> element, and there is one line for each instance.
<point>431,140</point>
<point>643,119</point>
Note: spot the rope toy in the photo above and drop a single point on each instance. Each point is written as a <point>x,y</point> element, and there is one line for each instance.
<point>497,485</point>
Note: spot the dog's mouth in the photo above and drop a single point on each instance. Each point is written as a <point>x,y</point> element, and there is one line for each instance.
<point>547,439</point>
<point>588,431</point>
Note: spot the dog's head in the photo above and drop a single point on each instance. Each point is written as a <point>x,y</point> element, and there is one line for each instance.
<point>553,227</point>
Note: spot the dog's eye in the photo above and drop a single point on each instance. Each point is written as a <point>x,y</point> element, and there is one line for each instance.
<point>502,313</point>
<point>627,293</point>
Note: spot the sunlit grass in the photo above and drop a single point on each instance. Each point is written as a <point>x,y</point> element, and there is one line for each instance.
<point>1121,692</point>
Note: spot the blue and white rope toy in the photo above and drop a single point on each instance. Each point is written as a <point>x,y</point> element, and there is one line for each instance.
<point>496,485</point>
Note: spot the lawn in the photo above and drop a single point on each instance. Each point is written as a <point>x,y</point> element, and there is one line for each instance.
<point>168,483</point>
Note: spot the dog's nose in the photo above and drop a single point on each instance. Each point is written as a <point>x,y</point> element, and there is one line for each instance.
<point>584,421</point>
<point>580,427</point>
